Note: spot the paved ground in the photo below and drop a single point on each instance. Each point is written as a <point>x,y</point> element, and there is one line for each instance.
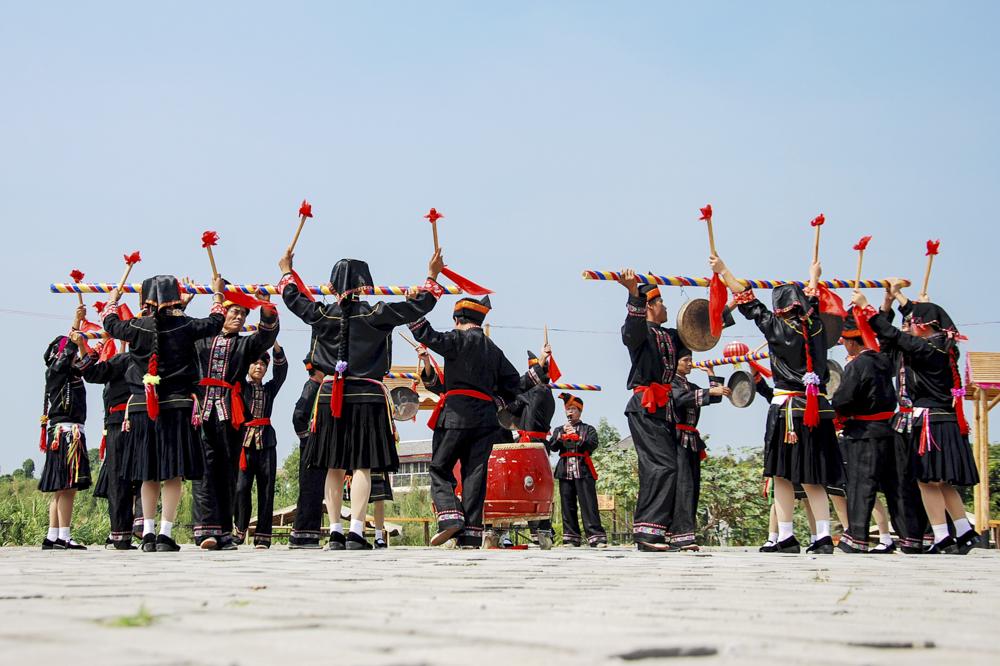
<point>410,606</point>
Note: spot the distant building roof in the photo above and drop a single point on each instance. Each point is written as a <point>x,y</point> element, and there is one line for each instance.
<point>625,443</point>
<point>414,448</point>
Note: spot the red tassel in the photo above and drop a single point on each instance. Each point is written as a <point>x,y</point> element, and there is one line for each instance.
<point>554,372</point>
<point>152,400</point>
<point>337,397</point>
<point>829,302</point>
<point>238,416</point>
<point>811,417</point>
<point>243,458</point>
<point>42,444</point>
<point>963,425</point>
<point>302,286</point>
<point>716,304</point>
<point>104,445</point>
<point>867,333</point>
<point>465,284</point>
<point>958,394</point>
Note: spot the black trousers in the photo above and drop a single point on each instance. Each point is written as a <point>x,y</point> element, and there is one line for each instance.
<point>657,451</point>
<point>121,492</point>
<point>681,528</point>
<point>213,493</point>
<point>308,525</point>
<point>471,447</point>
<point>584,492</point>
<point>262,466</point>
<point>137,516</point>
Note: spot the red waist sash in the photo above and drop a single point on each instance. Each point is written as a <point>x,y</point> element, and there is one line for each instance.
<point>654,396</point>
<point>881,416</point>
<point>526,436</point>
<point>235,398</point>
<point>586,458</point>
<point>469,393</point>
<point>256,423</point>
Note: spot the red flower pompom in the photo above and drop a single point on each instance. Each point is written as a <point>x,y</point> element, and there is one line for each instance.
<point>818,220</point>
<point>433,216</point>
<point>932,247</point>
<point>306,209</point>
<point>209,238</point>
<point>76,274</point>
<point>133,259</point>
<point>99,306</point>
<point>706,213</point>
<point>863,243</point>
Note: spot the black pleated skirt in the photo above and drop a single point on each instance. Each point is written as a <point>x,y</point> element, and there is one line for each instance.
<point>362,438</point>
<point>381,488</point>
<point>814,458</point>
<point>948,459</point>
<point>112,457</point>
<point>161,450</point>
<point>67,467</point>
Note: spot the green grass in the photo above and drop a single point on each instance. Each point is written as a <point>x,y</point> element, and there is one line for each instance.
<point>141,618</point>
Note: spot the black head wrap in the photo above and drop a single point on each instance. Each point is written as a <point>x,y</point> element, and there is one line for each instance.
<point>161,291</point>
<point>472,309</point>
<point>930,314</point>
<point>349,274</point>
<point>787,298</point>
<point>54,349</point>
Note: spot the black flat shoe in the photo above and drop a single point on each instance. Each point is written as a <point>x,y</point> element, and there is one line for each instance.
<point>357,542</point>
<point>149,543</point>
<point>48,545</point>
<point>912,550</point>
<point>336,542</point>
<point>789,545</point>
<point>768,547</point>
<point>966,542</point>
<point>58,544</point>
<point>381,543</point>
<point>73,545</point>
<point>822,546</point>
<point>165,544</point>
<point>844,547</point>
<point>946,546</point>
<point>883,549</point>
<point>226,543</point>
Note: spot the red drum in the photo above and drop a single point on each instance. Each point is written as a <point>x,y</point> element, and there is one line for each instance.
<point>519,483</point>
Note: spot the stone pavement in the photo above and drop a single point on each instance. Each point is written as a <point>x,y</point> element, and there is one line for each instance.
<point>411,606</point>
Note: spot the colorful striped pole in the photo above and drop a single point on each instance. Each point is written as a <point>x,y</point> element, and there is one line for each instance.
<point>684,281</point>
<point>731,360</point>
<point>402,375</point>
<point>252,289</point>
<point>574,387</point>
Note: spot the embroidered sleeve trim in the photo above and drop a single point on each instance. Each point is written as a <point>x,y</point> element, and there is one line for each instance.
<point>636,306</point>
<point>434,288</point>
<point>744,297</point>
<point>285,280</point>
<point>110,308</point>
<point>418,323</point>
<point>216,309</point>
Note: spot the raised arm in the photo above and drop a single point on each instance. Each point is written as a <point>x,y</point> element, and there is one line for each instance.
<point>390,315</point>
<point>308,311</point>
<point>634,331</point>
<point>445,344</point>
<point>267,331</point>
<point>279,370</point>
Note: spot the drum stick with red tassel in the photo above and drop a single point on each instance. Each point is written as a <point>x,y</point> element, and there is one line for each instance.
<point>130,261</point>
<point>816,223</point>
<point>210,239</point>
<point>305,211</point>
<point>716,288</point>
<point>464,283</point>
<point>706,215</point>
<point>860,247</point>
<point>77,276</point>
<point>932,250</point>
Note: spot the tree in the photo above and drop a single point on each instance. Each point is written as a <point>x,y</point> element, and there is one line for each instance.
<point>28,467</point>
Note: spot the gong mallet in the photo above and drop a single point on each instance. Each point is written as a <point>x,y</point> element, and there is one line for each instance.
<point>932,250</point>
<point>210,239</point>
<point>816,223</point>
<point>77,276</point>
<point>130,261</point>
<point>706,215</point>
<point>860,246</point>
<point>305,211</point>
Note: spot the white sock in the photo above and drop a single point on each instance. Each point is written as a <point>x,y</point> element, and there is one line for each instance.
<point>166,528</point>
<point>785,531</point>
<point>53,534</point>
<point>822,528</point>
<point>885,539</point>
<point>148,526</point>
<point>812,538</point>
<point>64,533</point>
<point>772,537</point>
<point>358,527</point>
<point>962,525</point>
<point>940,532</point>
<point>337,527</point>
<point>378,534</point>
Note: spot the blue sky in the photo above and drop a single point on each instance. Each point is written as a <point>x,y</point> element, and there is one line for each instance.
<point>554,137</point>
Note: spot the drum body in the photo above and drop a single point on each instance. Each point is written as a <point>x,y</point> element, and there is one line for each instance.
<point>519,484</point>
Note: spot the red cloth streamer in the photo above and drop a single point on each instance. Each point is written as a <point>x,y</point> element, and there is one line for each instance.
<point>706,213</point>
<point>306,209</point>
<point>152,400</point>
<point>932,247</point>
<point>99,307</point>
<point>863,243</point>
<point>337,396</point>
<point>104,445</point>
<point>810,418</point>
<point>42,444</point>
<point>133,259</point>
<point>108,349</point>
<point>716,302</point>
<point>861,315</point>
<point>958,393</point>
<point>464,283</point>
<point>243,458</point>
<point>829,302</point>
<point>76,274</point>
<point>433,216</point>
<point>303,289</point>
<point>818,221</point>
<point>125,312</point>
<point>246,300</point>
<point>209,239</point>
<point>554,372</point>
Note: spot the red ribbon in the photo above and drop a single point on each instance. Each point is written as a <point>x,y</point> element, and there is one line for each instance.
<point>829,302</point>
<point>243,458</point>
<point>469,393</point>
<point>716,303</point>
<point>464,283</point>
<point>554,372</point>
<point>654,396</point>
<point>586,458</point>
<point>246,300</point>
<point>337,396</point>
<point>861,316</point>
<point>303,289</point>
<point>237,417</point>
<point>256,423</point>
<point>152,400</point>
